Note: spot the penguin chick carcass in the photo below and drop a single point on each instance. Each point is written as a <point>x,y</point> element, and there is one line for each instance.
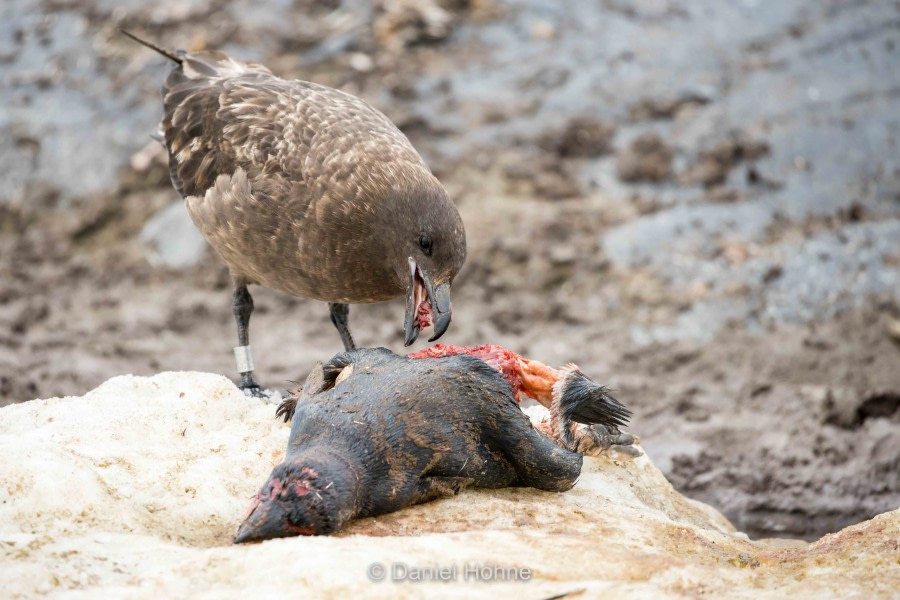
<point>373,432</point>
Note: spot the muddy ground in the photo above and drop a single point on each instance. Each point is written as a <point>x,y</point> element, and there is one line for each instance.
<point>700,206</point>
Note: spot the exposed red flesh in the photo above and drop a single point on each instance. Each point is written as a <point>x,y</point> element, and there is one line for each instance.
<point>423,314</point>
<point>529,377</point>
<point>277,489</point>
<point>422,302</point>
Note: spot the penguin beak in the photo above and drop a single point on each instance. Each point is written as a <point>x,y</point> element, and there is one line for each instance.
<point>426,303</point>
<point>265,521</point>
<point>268,516</point>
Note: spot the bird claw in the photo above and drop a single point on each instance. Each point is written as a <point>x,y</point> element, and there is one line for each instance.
<point>254,390</point>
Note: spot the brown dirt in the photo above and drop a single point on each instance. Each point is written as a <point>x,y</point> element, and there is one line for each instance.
<point>648,158</point>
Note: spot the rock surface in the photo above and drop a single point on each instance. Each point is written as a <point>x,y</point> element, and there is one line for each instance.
<point>135,489</point>
<point>728,304</point>
<point>172,239</point>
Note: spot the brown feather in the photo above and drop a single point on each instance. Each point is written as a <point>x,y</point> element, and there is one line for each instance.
<point>300,187</point>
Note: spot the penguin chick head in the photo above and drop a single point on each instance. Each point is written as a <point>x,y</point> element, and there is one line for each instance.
<point>294,501</point>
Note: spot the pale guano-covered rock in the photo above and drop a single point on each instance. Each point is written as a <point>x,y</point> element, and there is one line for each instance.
<point>136,489</point>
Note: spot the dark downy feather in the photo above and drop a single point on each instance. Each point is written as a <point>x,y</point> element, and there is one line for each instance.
<point>582,400</point>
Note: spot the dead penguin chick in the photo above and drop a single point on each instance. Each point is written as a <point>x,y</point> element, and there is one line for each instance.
<point>307,190</point>
<point>399,431</point>
<point>567,392</point>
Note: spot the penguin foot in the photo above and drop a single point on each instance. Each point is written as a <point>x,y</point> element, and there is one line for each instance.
<point>597,440</point>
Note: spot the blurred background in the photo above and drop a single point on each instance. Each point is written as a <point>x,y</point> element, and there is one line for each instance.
<point>697,202</point>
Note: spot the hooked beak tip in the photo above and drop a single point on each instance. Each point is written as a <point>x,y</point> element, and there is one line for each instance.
<point>441,323</point>
<point>438,297</point>
<point>411,335</point>
<point>440,302</point>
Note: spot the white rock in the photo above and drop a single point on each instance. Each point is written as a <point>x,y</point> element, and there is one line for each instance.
<point>136,489</point>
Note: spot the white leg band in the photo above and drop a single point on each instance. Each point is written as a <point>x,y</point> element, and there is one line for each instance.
<point>243,358</point>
